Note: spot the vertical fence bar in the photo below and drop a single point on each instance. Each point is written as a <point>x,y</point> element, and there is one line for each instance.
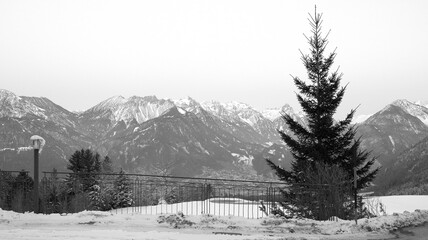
<point>214,203</point>
<point>258,196</point>
<point>249,199</point>
<point>197,199</point>
<point>230,203</point>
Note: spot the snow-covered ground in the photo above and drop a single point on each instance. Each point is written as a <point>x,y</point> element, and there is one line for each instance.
<point>399,204</point>
<point>214,206</point>
<point>109,225</point>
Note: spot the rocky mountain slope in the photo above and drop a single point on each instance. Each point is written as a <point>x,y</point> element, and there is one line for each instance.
<point>22,117</point>
<point>391,131</point>
<point>177,143</point>
<point>408,174</point>
<point>389,134</point>
<point>184,137</point>
<point>141,133</point>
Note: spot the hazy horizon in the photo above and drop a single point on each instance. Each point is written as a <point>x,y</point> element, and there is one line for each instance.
<point>80,53</point>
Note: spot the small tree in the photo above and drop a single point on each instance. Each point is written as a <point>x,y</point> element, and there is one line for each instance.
<point>122,196</point>
<point>101,197</point>
<point>6,182</point>
<point>107,165</point>
<point>101,194</point>
<point>323,142</point>
<point>22,189</point>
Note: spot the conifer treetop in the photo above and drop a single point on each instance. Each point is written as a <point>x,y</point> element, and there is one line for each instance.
<point>322,139</point>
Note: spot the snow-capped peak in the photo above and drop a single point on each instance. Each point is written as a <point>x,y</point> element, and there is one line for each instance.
<point>233,111</point>
<point>188,101</point>
<point>237,106</point>
<point>188,104</point>
<point>109,104</point>
<point>141,109</point>
<point>422,103</point>
<point>5,94</point>
<point>225,108</point>
<point>275,113</point>
<point>152,99</point>
<point>402,103</point>
<point>271,113</point>
<point>414,109</point>
<point>13,106</point>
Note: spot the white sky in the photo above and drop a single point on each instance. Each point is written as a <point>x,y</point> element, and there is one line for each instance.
<point>78,53</point>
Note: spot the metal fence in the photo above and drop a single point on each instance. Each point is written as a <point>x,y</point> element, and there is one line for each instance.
<point>63,192</point>
<point>151,194</point>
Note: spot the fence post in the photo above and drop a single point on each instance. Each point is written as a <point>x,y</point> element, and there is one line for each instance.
<point>355,195</point>
<point>270,199</point>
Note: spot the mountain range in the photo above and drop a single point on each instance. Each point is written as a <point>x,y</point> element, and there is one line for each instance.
<point>185,137</point>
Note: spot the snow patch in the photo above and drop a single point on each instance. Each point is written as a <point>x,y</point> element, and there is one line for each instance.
<point>403,203</point>
<point>5,149</point>
<point>244,159</point>
<point>182,111</point>
<point>392,142</point>
<point>198,144</point>
<point>23,149</point>
<point>185,149</point>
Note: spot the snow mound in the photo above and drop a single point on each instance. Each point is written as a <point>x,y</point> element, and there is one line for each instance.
<point>93,214</point>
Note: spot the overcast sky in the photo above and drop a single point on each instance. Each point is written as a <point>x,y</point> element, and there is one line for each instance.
<point>78,53</point>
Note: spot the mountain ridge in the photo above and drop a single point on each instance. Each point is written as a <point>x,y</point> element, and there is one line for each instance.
<point>141,133</point>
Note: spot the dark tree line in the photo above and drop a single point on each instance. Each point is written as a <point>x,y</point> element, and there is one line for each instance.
<point>93,184</point>
<point>16,191</point>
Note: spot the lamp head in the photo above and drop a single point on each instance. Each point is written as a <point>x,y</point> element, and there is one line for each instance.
<point>37,141</point>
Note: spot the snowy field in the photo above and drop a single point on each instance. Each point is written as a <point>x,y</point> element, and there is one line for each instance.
<point>127,226</point>
<point>213,206</point>
<point>399,204</point>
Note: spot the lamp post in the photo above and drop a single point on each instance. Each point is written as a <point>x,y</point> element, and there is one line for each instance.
<point>355,158</point>
<point>37,142</point>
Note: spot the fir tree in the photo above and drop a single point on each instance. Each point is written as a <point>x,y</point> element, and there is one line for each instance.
<point>323,142</point>
<point>107,165</point>
<point>101,198</point>
<point>85,165</point>
<point>122,196</point>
